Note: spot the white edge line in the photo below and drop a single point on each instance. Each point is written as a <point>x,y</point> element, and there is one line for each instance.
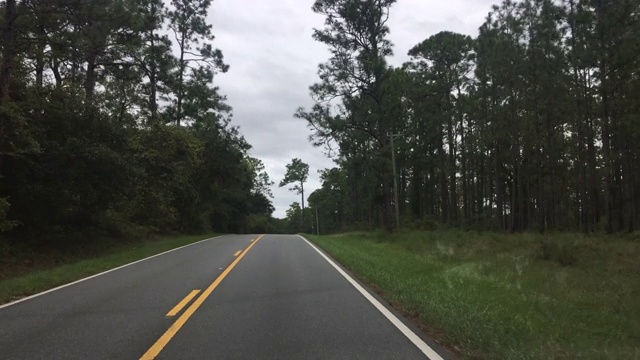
<point>417,341</point>
<point>102,273</point>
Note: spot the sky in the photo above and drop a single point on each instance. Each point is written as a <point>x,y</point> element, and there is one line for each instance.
<point>273,61</point>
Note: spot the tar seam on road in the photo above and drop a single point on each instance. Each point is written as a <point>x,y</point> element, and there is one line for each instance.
<point>426,349</point>
<point>176,309</point>
<point>102,273</point>
<point>173,330</point>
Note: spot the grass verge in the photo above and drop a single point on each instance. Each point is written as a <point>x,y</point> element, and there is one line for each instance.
<point>506,296</point>
<point>19,280</point>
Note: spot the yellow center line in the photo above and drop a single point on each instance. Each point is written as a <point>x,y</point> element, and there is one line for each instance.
<point>173,330</point>
<point>183,303</point>
<point>238,253</point>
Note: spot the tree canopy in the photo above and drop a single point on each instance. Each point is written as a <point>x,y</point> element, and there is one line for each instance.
<point>532,125</point>
<point>110,123</point>
<point>297,174</point>
<point>350,95</point>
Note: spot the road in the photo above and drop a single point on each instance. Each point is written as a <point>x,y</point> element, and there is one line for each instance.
<point>231,297</point>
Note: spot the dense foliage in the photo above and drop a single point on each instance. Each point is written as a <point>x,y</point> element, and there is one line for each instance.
<point>110,123</point>
<point>533,125</point>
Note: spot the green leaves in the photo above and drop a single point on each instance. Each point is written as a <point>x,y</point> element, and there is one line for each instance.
<point>355,32</point>
<point>197,62</point>
<point>527,127</point>
<point>351,95</point>
<point>261,181</point>
<point>5,223</point>
<point>83,141</point>
<point>297,172</point>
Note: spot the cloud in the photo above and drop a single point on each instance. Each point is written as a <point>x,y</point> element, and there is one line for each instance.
<point>274,60</point>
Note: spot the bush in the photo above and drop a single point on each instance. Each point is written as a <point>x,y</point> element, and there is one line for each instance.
<point>5,223</point>
<point>562,253</point>
<point>428,224</point>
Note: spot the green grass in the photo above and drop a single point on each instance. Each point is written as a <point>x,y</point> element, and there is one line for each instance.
<point>25,274</point>
<point>506,296</point>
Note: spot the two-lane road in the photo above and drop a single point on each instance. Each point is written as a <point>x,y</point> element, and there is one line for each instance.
<point>231,297</point>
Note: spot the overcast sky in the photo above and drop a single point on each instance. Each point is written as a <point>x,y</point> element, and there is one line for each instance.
<point>274,60</point>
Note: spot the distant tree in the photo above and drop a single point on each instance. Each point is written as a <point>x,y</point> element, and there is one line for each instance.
<point>328,202</point>
<point>294,218</point>
<point>297,174</point>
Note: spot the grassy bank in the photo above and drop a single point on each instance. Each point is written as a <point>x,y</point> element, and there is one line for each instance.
<point>24,272</point>
<point>506,296</point>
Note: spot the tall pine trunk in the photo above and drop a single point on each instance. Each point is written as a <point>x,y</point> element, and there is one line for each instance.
<point>8,57</point>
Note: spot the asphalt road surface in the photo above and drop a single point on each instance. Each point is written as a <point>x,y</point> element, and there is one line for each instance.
<point>231,297</point>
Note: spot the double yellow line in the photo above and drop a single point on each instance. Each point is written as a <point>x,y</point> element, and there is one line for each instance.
<point>173,330</point>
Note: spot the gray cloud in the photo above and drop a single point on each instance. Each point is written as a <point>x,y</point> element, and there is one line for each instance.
<point>274,60</point>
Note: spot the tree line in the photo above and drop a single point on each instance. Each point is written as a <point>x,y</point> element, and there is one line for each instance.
<point>110,123</point>
<point>530,126</point>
